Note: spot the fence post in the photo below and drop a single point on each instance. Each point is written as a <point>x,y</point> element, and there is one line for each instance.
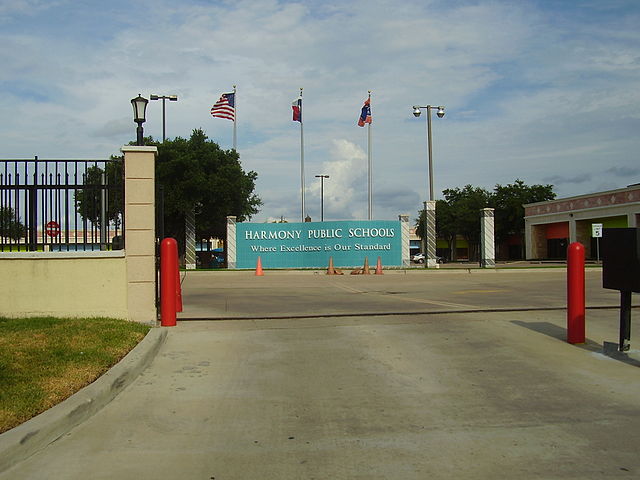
<point>178,285</point>
<point>32,218</point>
<point>104,224</point>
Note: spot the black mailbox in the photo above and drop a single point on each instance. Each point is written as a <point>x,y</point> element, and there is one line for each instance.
<point>621,259</point>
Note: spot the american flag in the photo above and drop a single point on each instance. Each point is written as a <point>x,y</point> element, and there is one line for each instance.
<point>225,107</point>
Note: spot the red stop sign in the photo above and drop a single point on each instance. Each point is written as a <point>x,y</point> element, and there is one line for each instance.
<point>52,229</point>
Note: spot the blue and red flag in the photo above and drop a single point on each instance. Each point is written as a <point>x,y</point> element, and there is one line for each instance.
<point>297,110</point>
<point>365,114</point>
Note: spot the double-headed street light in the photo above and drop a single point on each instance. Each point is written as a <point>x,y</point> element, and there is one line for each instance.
<point>416,112</point>
<point>322,177</point>
<point>171,98</point>
<point>430,207</point>
<point>139,111</point>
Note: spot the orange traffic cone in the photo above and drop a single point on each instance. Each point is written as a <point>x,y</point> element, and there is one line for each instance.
<point>331,270</point>
<point>259,272</point>
<point>365,269</point>
<point>379,267</point>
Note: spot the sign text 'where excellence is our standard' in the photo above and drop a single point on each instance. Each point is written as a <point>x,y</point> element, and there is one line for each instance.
<point>309,245</point>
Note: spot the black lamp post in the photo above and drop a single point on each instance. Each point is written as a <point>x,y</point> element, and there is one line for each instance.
<point>139,108</point>
<point>171,98</point>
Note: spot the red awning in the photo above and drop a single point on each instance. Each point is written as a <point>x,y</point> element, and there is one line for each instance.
<point>557,230</point>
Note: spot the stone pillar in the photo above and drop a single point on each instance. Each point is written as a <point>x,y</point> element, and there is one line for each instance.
<point>405,239</point>
<point>528,240</point>
<point>140,233</point>
<point>190,240</point>
<point>231,242</point>
<point>430,257</point>
<point>487,243</point>
<point>541,248</point>
<point>583,235</point>
<point>572,230</point>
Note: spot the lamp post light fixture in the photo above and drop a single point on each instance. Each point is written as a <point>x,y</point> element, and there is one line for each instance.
<point>171,98</point>
<point>430,207</point>
<point>322,177</point>
<point>139,110</point>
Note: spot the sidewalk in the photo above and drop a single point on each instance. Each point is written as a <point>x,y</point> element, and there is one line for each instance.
<point>469,396</point>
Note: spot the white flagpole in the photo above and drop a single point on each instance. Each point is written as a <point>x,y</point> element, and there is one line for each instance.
<point>235,119</point>
<point>369,164</point>
<point>302,157</point>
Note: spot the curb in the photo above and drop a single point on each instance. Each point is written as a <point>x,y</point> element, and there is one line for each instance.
<point>24,440</point>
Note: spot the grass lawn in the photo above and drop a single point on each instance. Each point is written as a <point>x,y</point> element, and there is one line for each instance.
<point>45,360</point>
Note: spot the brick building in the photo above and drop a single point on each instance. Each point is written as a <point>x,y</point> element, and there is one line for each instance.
<point>552,225</point>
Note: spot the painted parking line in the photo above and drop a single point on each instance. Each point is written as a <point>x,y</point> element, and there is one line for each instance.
<point>441,304</point>
<point>466,292</point>
<point>408,299</point>
<point>348,288</point>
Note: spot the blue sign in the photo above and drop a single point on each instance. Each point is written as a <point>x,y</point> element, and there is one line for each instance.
<point>310,245</point>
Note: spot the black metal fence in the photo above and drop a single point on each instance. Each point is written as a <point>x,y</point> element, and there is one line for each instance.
<point>61,205</point>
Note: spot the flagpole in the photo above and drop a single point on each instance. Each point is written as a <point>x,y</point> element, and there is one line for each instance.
<point>302,157</point>
<point>369,164</point>
<point>235,119</point>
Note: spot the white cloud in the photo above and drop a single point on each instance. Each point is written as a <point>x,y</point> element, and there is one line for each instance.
<point>530,92</point>
<point>346,187</point>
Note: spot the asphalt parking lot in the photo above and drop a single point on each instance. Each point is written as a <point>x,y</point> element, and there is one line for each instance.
<point>311,293</point>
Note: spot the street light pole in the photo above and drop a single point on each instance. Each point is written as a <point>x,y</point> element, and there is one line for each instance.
<point>430,206</point>
<point>429,151</point>
<point>322,177</point>
<point>171,98</point>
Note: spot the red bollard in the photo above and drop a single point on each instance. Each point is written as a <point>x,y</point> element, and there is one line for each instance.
<point>575,293</point>
<point>168,274</point>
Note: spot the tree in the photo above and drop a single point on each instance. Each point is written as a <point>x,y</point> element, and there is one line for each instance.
<point>508,202</point>
<point>458,214</point>
<point>466,204</point>
<point>89,199</point>
<point>10,226</point>
<point>421,225</point>
<point>445,225</point>
<point>196,174</point>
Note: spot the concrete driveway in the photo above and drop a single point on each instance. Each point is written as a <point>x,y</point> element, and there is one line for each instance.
<point>412,396</point>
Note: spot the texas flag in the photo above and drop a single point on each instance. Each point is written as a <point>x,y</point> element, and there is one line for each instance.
<point>365,115</point>
<point>297,110</point>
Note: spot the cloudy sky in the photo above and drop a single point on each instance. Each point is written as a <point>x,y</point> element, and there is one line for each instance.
<point>546,91</point>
